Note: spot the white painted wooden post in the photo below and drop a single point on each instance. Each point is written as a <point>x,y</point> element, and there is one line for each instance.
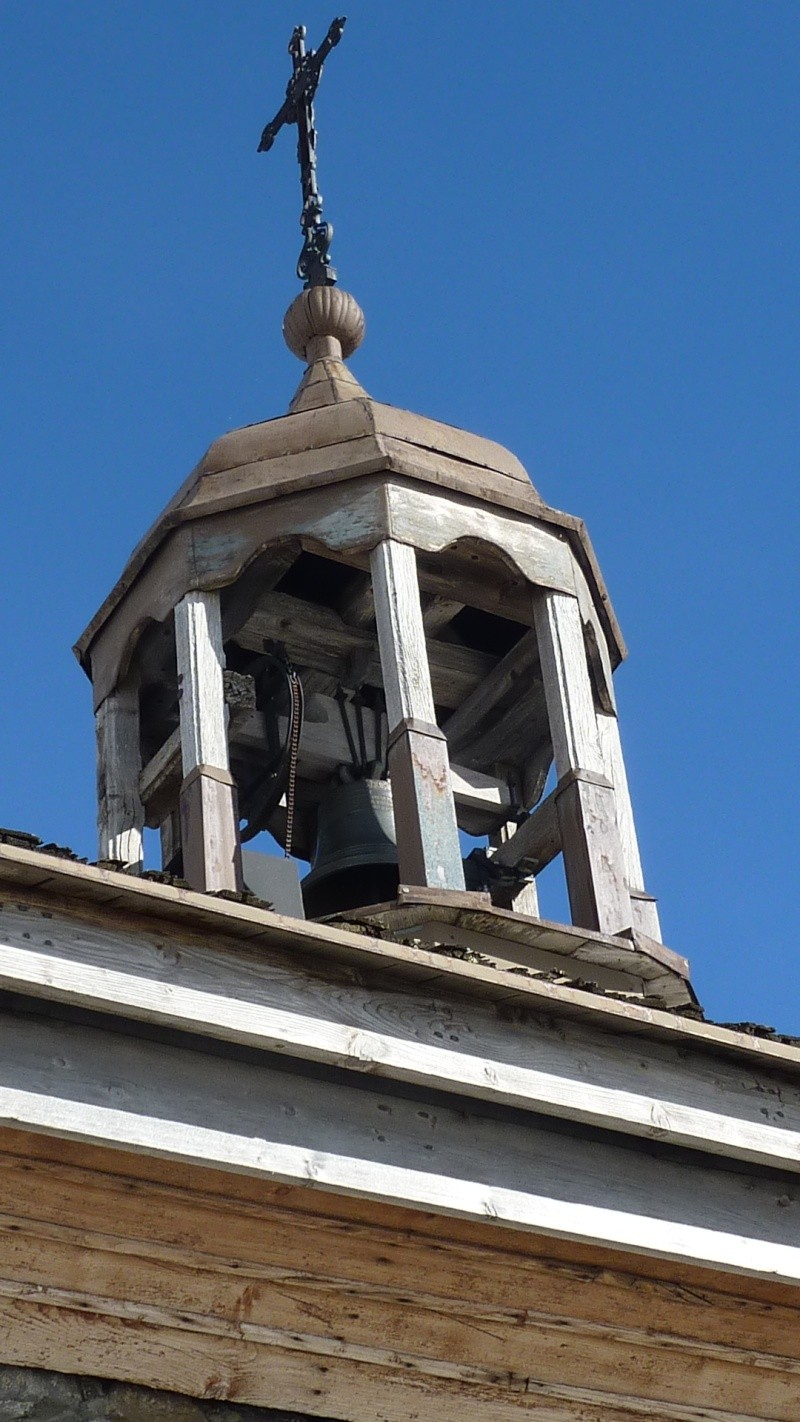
<point>585,801</point>
<point>643,905</point>
<point>120,816</point>
<point>209,819</point>
<point>428,847</point>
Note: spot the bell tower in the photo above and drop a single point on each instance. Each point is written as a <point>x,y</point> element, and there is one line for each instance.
<point>365,632</point>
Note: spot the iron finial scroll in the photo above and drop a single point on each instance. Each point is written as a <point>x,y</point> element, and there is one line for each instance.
<point>314,265</point>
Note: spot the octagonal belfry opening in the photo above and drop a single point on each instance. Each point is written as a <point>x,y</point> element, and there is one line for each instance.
<point>364,631</point>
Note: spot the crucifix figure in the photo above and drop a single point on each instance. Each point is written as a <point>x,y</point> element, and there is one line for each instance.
<point>313,267</point>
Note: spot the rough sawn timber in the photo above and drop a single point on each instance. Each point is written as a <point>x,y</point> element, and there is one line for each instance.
<point>225,1288</point>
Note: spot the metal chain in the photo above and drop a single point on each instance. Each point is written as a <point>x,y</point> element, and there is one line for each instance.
<point>294,748</point>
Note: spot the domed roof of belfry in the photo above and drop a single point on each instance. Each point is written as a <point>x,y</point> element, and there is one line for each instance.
<point>334,434</point>
<point>334,428</point>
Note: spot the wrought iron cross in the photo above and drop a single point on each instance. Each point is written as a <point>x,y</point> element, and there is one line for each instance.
<point>314,265</point>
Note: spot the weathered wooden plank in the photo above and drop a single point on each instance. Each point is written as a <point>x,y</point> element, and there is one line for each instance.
<point>340,1298</point>
<point>324,1317</point>
<point>41,881</point>
<point>540,955</point>
<point>288,434</point>
<point>143,1096</point>
<point>483,795</point>
<point>120,815</point>
<point>169,1354</point>
<point>245,1236</point>
<point>433,435</point>
<point>236,1017</point>
<point>432,521</point>
<point>428,847</point>
<point>436,1331</point>
<point>248,483</point>
<point>632,953</point>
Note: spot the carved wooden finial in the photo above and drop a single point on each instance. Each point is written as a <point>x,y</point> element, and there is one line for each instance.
<point>323,321</point>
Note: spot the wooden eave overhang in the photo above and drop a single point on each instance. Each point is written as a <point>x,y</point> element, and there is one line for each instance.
<point>137,1017</point>
<point>299,453</point>
<point>73,884</point>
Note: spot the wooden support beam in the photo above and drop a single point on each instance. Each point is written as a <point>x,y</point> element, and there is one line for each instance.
<point>239,600</point>
<point>209,818</point>
<point>445,576</point>
<point>598,893</point>
<point>522,898</point>
<point>599,665</point>
<point>593,857</point>
<point>536,841</point>
<point>323,747</point>
<point>514,737</point>
<point>357,605</point>
<point>438,612</point>
<point>158,777</point>
<point>120,815</point>
<point>428,847</point>
<point>319,638</point>
<point>484,796</point>
<point>645,908</point>
<point>517,672</point>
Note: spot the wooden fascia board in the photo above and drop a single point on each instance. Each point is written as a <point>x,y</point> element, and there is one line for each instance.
<point>177,516</point>
<point>99,1087</point>
<point>376,459</point>
<point>69,882</point>
<point>207,992</point>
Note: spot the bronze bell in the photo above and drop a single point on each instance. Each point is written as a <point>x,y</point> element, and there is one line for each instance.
<point>355,861</point>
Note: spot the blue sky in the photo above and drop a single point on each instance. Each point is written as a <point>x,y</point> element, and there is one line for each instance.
<point>573,227</point>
